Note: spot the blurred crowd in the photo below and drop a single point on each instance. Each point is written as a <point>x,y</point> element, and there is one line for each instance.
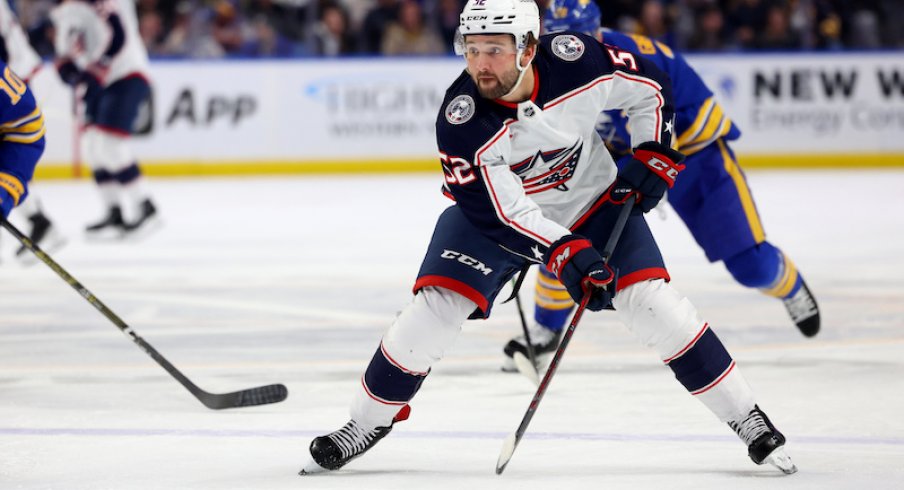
<point>288,28</point>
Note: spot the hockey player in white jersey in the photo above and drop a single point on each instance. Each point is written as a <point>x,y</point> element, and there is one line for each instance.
<point>22,59</point>
<point>533,183</point>
<point>98,47</point>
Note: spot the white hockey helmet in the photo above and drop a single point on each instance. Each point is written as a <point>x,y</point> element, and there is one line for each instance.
<point>516,17</point>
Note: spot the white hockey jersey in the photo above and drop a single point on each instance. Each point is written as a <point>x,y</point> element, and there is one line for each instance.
<point>528,174</point>
<point>22,58</point>
<point>101,31</point>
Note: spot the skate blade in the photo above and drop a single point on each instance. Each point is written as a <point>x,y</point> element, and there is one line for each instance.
<point>146,229</point>
<point>105,235</point>
<point>782,461</point>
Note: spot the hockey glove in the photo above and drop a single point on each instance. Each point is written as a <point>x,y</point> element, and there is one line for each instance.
<point>581,269</point>
<point>69,72</point>
<point>651,171</point>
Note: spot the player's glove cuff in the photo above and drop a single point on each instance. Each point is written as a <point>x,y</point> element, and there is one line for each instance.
<point>661,160</point>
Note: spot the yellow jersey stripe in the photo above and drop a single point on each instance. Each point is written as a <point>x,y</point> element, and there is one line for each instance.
<point>784,285</point>
<point>551,295</point>
<point>24,138</point>
<point>555,305</point>
<point>549,282</point>
<point>702,115</point>
<point>18,122</point>
<point>29,127</point>
<point>12,185</point>
<point>753,219</point>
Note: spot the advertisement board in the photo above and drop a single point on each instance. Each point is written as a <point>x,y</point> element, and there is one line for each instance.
<point>231,117</point>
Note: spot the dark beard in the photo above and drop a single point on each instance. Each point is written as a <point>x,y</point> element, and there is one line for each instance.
<point>502,87</point>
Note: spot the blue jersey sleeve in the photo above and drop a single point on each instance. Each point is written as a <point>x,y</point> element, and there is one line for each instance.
<point>22,131</point>
<point>699,119</point>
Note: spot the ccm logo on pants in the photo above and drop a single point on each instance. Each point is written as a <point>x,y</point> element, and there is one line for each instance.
<point>467,260</point>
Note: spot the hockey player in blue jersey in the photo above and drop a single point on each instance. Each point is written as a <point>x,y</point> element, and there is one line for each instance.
<point>711,196</point>
<point>25,62</point>
<point>533,183</point>
<point>21,139</point>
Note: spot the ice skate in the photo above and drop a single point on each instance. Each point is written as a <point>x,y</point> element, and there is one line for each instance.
<point>148,221</point>
<point>803,310</point>
<point>544,341</point>
<point>765,444</point>
<point>336,449</point>
<point>111,227</point>
<point>44,235</point>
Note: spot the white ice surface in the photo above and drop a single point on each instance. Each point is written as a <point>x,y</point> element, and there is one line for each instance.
<point>255,281</point>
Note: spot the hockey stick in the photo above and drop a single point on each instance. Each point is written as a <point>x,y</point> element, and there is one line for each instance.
<point>260,395</point>
<point>511,442</point>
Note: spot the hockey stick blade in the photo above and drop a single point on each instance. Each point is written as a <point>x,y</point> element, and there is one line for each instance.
<point>508,449</point>
<point>261,395</point>
<point>526,367</point>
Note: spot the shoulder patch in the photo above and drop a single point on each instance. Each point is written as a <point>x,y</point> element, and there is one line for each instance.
<point>460,110</point>
<point>567,47</point>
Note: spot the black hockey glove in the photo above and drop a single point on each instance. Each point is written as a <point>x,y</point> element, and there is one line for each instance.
<point>69,72</point>
<point>581,269</point>
<point>651,171</point>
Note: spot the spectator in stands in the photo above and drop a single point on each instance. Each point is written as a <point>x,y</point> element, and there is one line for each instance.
<point>264,41</point>
<point>375,24</point>
<point>777,34</point>
<point>331,35</point>
<point>710,34</point>
<point>226,26</point>
<point>410,35</point>
<point>447,21</point>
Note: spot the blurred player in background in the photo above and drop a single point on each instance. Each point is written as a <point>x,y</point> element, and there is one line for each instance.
<point>98,48</point>
<point>711,196</point>
<point>22,59</point>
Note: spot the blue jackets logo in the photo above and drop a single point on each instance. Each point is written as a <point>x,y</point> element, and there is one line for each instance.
<point>460,110</point>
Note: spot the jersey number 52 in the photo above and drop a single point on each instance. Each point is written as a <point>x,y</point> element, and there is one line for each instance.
<point>457,170</point>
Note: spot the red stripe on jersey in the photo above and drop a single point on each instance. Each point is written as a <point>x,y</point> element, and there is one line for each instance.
<point>111,130</point>
<point>453,285</point>
<point>606,78</point>
<point>642,275</point>
<point>494,198</point>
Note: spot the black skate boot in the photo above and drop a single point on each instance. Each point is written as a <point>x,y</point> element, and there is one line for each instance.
<point>544,341</point>
<point>148,220</point>
<point>336,449</point>
<point>112,226</point>
<point>43,234</point>
<point>765,444</point>
<point>803,310</point>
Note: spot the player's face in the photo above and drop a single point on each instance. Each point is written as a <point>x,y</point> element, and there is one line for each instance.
<point>491,63</point>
